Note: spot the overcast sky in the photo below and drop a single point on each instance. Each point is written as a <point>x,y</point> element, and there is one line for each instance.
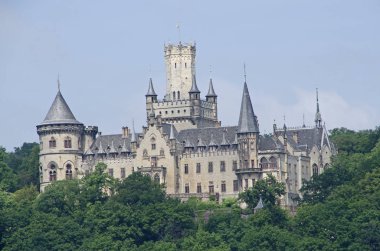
<point>105,52</point>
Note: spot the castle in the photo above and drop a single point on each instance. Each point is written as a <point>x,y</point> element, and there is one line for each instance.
<point>183,145</point>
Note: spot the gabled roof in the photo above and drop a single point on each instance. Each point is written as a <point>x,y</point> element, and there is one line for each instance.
<point>247,119</point>
<point>59,112</point>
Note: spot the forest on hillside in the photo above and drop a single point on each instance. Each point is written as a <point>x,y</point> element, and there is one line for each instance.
<point>340,209</point>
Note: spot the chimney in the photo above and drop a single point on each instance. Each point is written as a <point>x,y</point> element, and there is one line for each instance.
<point>125,131</point>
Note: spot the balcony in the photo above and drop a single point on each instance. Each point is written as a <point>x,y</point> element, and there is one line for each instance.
<point>247,170</point>
<point>268,166</point>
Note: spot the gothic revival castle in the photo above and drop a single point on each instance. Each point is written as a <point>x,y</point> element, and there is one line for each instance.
<point>183,145</point>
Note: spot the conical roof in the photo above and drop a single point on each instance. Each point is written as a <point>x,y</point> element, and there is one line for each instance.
<point>247,119</point>
<point>194,87</point>
<point>59,112</point>
<point>260,204</point>
<point>112,148</point>
<point>224,140</point>
<point>211,92</point>
<point>212,142</point>
<point>171,136</point>
<point>151,91</point>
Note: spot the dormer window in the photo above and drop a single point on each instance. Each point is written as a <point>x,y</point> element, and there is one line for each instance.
<point>67,142</point>
<point>52,143</point>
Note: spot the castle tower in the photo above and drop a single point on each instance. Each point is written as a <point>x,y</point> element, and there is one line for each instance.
<point>150,97</point>
<point>212,98</point>
<point>247,136</point>
<point>195,99</point>
<point>62,141</point>
<point>180,69</point>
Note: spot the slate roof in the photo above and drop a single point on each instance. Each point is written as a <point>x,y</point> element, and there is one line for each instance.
<point>104,141</point>
<point>194,87</point>
<point>268,142</point>
<point>59,112</point>
<point>211,92</point>
<point>151,91</point>
<point>247,119</point>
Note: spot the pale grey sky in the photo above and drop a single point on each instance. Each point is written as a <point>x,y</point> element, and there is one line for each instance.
<point>104,50</point>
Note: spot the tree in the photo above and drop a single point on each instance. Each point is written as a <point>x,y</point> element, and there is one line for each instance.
<point>269,188</point>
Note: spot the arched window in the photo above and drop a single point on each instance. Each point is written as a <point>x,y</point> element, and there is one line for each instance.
<point>315,170</point>
<point>69,172</point>
<point>52,142</point>
<point>157,178</point>
<point>264,163</point>
<point>272,162</point>
<point>52,172</point>
<point>162,152</point>
<point>173,95</point>
<point>178,95</point>
<point>67,142</point>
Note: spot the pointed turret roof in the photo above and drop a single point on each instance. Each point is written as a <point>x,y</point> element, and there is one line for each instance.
<point>100,150</point>
<point>260,204</point>
<point>224,141</point>
<point>247,119</point>
<point>151,91</point>
<point>188,144</point>
<point>194,87</point>
<point>212,142</point>
<point>112,148</point>
<point>318,116</point>
<point>211,92</point>
<point>133,136</point>
<point>59,112</point>
<point>124,148</point>
<point>200,143</point>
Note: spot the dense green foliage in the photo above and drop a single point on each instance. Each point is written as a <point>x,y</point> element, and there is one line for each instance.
<point>340,209</point>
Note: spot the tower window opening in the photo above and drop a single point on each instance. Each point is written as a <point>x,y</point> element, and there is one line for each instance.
<point>175,65</point>
<point>52,143</point>
<point>67,142</point>
<point>52,175</point>
<point>185,65</point>
<point>178,95</point>
<point>173,95</point>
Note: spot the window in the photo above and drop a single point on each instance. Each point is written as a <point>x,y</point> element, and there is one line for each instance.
<point>122,172</point>
<point>52,143</point>
<point>199,188</point>
<point>210,167</point>
<point>175,65</point>
<point>236,185</point>
<point>211,187</point>
<point>173,97</point>
<point>246,183</point>
<point>110,172</point>
<point>69,172</point>
<point>315,169</point>
<point>157,178</point>
<point>153,146</point>
<point>253,182</point>
<point>185,65</point>
<point>198,170</point>
<point>245,163</point>
<point>222,166</point>
<point>186,169</point>
<point>153,162</point>
<point>223,186</point>
<point>253,163</point>
<point>162,152</point>
<point>187,188</point>
<point>178,96</point>
<point>67,142</point>
<point>234,165</point>
<point>52,175</point>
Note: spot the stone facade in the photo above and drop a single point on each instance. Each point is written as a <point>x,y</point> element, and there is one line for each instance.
<point>183,145</point>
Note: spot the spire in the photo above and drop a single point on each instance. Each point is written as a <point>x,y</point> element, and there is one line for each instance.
<point>211,92</point>
<point>318,116</point>
<point>133,136</point>
<point>112,148</point>
<point>59,112</point>
<point>124,148</point>
<point>151,91</point>
<point>260,205</point>
<point>224,141</point>
<point>247,119</point>
<point>100,150</point>
<point>200,142</point>
<point>194,87</point>
<point>171,132</point>
<point>212,142</point>
<point>188,144</point>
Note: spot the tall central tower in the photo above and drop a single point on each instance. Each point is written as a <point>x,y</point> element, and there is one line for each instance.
<point>180,70</point>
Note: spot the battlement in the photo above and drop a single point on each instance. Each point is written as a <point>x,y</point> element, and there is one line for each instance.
<point>173,49</point>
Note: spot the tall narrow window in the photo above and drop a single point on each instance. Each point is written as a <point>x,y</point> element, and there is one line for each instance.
<point>187,188</point>
<point>178,95</point>
<point>210,167</point>
<point>69,172</point>
<point>186,168</point>
<point>122,172</point>
<point>198,170</point>
<point>315,170</point>
<point>67,142</point>
<point>52,175</point>
<point>223,186</point>
<point>234,165</point>
<point>173,95</point>
<point>153,161</point>
<point>110,172</point>
<point>211,187</point>
<point>52,143</point>
<point>199,188</point>
<point>236,185</point>
<point>246,183</point>
<point>222,166</point>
